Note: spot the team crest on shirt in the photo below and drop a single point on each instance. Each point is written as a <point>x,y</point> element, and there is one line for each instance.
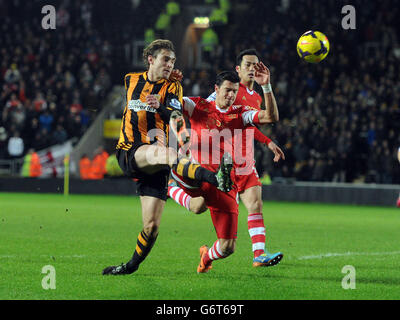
<point>175,104</point>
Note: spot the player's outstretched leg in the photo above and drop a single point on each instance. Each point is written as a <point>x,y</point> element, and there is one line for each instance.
<point>196,205</point>
<point>221,179</point>
<point>178,194</point>
<point>223,175</point>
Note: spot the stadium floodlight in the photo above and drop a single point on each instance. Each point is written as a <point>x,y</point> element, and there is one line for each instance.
<point>203,21</point>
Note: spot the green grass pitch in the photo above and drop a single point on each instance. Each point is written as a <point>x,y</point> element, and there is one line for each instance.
<point>79,235</point>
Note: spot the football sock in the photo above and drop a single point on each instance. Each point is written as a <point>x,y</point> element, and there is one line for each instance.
<point>180,196</point>
<point>143,247</point>
<point>190,170</point>
<point>214,253</point>
<point>255,224</point>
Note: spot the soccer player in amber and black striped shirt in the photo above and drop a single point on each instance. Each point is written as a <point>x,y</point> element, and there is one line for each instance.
<point>153,105</point>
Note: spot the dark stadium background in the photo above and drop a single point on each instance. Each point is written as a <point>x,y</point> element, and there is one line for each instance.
<point>339,119</point>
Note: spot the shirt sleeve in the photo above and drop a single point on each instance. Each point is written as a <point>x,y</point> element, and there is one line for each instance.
<point>188,106</point>
<point>212,97</point>
<point>174,96</point>
<point>260,137</point>
<point>249,117</point>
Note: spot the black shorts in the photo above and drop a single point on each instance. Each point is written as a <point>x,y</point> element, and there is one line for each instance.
<point>153,185</point>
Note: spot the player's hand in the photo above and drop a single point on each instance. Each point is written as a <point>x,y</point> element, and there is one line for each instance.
<point>153,101</point>
<point>176,75</point>
<point>277,151</point>
<point>262,74</point>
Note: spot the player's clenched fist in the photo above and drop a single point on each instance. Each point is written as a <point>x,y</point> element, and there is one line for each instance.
<point>153,101</point>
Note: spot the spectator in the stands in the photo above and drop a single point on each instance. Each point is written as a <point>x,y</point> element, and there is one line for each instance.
<point>59,135</point>
<point>15,146</point>
<point>12,75</point>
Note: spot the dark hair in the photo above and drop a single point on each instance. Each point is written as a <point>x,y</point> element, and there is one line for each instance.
<point>227,75</point>
<point>247,52</point>
<point>154,48</point>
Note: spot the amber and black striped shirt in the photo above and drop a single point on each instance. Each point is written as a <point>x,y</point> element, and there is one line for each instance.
<point>139,119</point>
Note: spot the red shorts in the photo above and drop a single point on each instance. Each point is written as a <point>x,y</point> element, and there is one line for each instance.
<point>224,207</point>
<point>247,181</point>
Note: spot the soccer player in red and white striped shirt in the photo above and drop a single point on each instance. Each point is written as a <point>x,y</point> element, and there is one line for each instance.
<point>210,121</point>
<point>250,69</point>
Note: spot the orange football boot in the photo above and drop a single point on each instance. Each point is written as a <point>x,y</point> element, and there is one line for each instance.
<point>202,268</point>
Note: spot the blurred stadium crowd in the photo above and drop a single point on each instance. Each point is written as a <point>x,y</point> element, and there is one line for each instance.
<point>51,81</point>
<point>340,119</point>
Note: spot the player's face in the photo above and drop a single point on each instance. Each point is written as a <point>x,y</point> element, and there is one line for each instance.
<point>161,65</point>
<point>226,94</point>
<point>246,69</point>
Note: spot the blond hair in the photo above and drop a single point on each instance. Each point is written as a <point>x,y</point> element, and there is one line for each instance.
<point>154,48</point>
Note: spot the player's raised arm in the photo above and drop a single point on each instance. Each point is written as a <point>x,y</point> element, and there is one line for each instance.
<point>252,117</point>
<point>263,78</point>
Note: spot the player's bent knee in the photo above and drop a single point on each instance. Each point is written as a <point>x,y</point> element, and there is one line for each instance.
<point>198,205</point>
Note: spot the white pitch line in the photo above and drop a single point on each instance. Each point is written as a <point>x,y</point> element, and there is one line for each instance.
<point>346,254</point>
